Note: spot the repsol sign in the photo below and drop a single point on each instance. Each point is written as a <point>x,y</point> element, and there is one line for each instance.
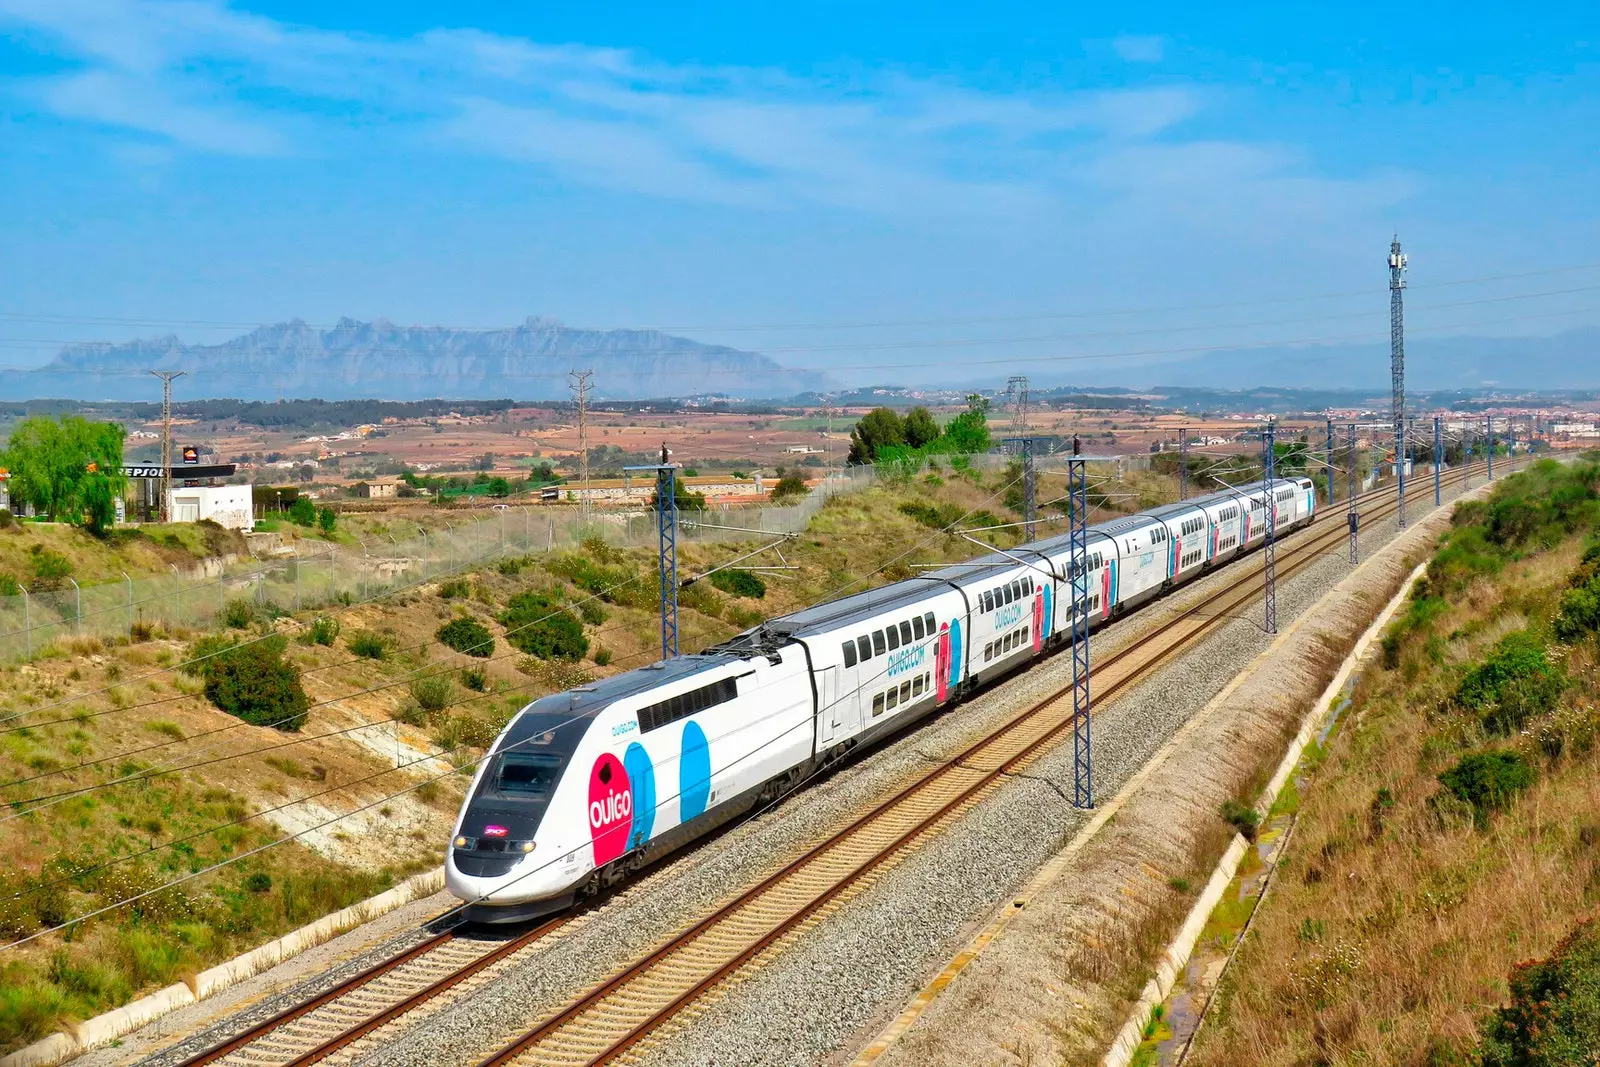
<point>216,470</point>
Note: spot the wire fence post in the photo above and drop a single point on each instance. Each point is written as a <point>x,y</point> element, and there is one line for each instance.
<point>77,606</point>
<point>1269,547</point>
<point>297,577</point>
<point>1351,518</point>
<point>27,621</point>
<point>1438,459</point>
<point>128,582</point>
<point>177,596</point>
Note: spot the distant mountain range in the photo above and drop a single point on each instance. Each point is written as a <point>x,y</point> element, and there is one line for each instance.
<point>1567,360</point>
<point>379,360</point>
<point>356,360</point>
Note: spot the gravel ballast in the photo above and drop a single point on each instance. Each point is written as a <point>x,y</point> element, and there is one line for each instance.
<point>815,1002</point>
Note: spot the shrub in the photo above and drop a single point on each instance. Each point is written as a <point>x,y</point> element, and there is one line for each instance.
<point>602,657</point>
<point>322,631</point>
<point>1488,781</point>
<point>432,692</point>
<point>253,682</point>
<point>239,613</point>
<point>590,611</point>
<point>368,644</point>
<point>197,661</point>
<point>736,581</point>
<point>9,586</point>
<point>327,520</point>
<point>7,520</point>
<point>50,569</point>
<point>466,635</point>
<point>537,626</point>
<point>259,882</point>
<point>455,588</point>
<point>933,516</point>
<point>475,679</point>
<point>1242,817</point>
<point>303,512</point>
<point>1519,656</point>
<point>790,487</point>
<point>1580,611</point>
<point>1553,1019</point>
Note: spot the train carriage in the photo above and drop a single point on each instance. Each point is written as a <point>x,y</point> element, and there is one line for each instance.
<point>585,786</point>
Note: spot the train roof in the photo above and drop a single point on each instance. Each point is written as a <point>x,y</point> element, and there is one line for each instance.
<point>1166,511</point>
<point>832,612</point>
<point>587,701</point>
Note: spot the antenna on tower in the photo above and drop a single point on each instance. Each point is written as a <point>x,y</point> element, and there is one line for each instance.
<point>166,377</point>
<point>1397,368</point>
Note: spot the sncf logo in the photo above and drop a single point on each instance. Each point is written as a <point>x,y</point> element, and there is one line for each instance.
<point>610,809</point>
<point>494,831</point>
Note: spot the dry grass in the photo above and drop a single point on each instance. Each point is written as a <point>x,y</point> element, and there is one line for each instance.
<point>1393,927</point>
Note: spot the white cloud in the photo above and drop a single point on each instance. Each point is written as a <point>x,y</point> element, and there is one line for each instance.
<point>198,75</point>
<point>1140,48</point>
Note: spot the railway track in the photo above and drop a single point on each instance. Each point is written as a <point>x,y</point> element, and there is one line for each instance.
<point>616,1015</point>
<point>613,1018</point>
<point>312,1031</point>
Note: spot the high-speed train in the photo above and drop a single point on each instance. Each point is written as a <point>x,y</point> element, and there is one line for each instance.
<point>586,786</point>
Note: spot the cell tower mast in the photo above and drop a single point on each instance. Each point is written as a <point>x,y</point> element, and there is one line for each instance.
<point>580,396</point>
<point>1397,367</point>
<point>166,377</point>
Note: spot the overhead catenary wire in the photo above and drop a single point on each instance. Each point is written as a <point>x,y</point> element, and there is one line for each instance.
<point>178,881</point>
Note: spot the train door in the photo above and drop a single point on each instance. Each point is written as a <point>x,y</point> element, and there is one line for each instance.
<point>838,714</point>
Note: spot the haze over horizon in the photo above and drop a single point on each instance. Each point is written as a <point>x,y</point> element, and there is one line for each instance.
<point>859,193</point>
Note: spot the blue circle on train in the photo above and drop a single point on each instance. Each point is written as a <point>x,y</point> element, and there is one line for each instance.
<point>955,651</point>
<point>694,772</point>
<point>642,779</point>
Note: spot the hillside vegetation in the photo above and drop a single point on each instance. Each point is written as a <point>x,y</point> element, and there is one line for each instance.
<point>1435,903</point>
<point>354,727</point>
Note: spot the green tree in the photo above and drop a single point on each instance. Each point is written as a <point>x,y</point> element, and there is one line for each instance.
<point>968,432</point>
<point>878,429</point>
<point>253,682</point>
<point>499,486</point>
<point>790,487</point>
<point>303,512</point>
<point>67,467</point>
<point>920,428</point>
<point>327,520</point>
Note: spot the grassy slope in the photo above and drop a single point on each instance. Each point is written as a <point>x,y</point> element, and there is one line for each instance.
<point>117,698</point>
<point>1394,921</point>
<point>135,551</point>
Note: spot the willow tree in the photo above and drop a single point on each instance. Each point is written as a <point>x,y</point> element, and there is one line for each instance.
<point>68,468</point>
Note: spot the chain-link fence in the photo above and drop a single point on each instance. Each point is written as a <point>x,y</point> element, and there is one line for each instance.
<point>310,573</point>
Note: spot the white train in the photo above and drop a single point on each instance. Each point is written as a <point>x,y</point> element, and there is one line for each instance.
<point>586,786</point>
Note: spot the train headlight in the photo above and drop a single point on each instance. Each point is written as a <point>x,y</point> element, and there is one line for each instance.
<point>462,842</point>
<point>527,846</point>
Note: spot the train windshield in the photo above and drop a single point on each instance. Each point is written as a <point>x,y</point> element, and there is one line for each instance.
<point>529,775</point>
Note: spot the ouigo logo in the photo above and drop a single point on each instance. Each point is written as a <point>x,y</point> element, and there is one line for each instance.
<point>610,809</point>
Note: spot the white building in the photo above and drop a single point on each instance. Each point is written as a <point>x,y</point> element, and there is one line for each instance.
<point>226,505</point>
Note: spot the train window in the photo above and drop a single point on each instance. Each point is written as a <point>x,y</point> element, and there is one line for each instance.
<point>916,686</point>
<point>1005,594</point>
<point>1027,586</point>
<point>877,704</point>
<point>985,603</point>
<point>905,692</point>
<point>878,646</point>
<point>916,628</point>
<point>526,774</point>
<point>893,634</point>
<point>988,652</point>
<point>864,648</point>
<point>927,621</point>
<point>905,633</point>
<point>893,699</point>
<point>674,708</point>
<point>849,649</point>
<point>1005,643</point>
<point>1016,590</point>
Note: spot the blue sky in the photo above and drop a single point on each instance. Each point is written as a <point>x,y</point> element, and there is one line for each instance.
<point>956,173</point>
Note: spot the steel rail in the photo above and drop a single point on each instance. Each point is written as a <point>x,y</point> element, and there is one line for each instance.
<point>593,1032</point>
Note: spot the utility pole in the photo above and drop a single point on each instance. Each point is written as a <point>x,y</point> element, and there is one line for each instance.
<point>1397,367</point>
<point>1351,518</point>
<point>1328,463</point>
<point>1183,463</point>
<point>1439,458</point>
<point>1488,433</point>
<point>166,377</point>
<point>1269,547</point>
<point>580,396</point>
<point>667,563</point>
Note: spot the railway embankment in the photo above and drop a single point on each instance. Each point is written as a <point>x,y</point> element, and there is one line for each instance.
<point>1052,972</point>
<point>1434,894</point>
